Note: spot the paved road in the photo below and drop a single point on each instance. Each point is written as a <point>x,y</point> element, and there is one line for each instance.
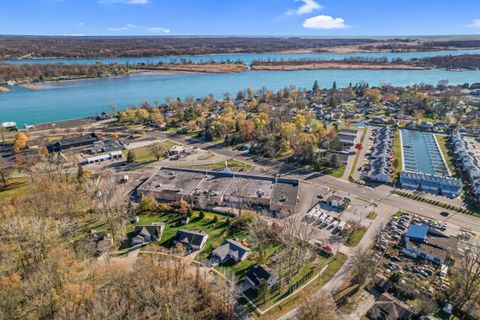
<point>381,194</point>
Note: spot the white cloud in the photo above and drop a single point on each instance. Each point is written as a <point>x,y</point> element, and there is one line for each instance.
<point>324,22</point>
<point>125,1</point>
<point>475,23</point>
<point>131,26</point>
<point>159,29</point>
<point>80,24</point>
<point>75,35</point>
<point>307,7</point>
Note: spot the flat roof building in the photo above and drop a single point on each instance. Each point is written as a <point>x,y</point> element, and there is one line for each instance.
<point>223,188</point>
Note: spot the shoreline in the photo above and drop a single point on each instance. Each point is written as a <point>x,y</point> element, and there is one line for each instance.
<point>332,50</point>
<point>335,66</point>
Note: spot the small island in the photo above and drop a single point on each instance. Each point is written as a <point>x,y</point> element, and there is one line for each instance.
<point>3,89</point>
<point>210,67</point>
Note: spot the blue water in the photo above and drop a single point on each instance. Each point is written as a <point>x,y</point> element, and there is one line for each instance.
<point>89,97</point>
<point>247,58</point>
<point>421,153</point>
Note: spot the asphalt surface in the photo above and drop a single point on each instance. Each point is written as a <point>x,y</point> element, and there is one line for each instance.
<point>380,194</point>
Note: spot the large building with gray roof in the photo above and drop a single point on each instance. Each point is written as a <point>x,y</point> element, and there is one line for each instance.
<point>222,189</point>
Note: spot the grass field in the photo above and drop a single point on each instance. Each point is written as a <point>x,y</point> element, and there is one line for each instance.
<point>232,163</point>
<point>15,186</point>
<point>443,148</point>
<point>143,155</point>
<point>338,173</point>
<point>355,237</point>
<point>397,154</point>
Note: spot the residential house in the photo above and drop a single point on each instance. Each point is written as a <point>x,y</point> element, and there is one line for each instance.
<point>258,273</point>
<point>231,250</point>
<point>191,240</point>
<point>147,233</point>
<point>387,307</point>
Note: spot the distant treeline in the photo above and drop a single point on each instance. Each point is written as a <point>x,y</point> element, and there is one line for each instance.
<point>58,71</point>
<point>467,61</point>
<point>13,47</point>
<point>189,61</point>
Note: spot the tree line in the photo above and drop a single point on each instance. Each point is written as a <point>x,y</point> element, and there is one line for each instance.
<point>58,71</point>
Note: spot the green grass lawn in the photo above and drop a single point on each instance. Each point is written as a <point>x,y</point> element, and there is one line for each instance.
<point>15,186</point>
<point>338,173</point>
<point>443,148</point>
<point>232,163</point>
<point>217,232</point>
<point>355,237</point>
<point>397,154</point>
<point>143,155</point>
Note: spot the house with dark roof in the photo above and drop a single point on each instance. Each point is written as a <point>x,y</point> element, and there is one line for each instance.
<point>191,240</point>
<point>103,241</point>
<point>72,142</point>
<point>231,250</point>
<point>259,273</point>
<point>387,307</point>
<point>147,233</point>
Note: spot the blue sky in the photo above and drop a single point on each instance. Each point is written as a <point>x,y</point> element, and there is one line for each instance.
<point>240,17</point>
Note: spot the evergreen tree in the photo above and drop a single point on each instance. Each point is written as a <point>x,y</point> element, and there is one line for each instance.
<point>334,87</point>
<point>131,157</point>
<point>315,87</point>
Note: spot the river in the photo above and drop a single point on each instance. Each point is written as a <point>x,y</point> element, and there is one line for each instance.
<point>72,99</point>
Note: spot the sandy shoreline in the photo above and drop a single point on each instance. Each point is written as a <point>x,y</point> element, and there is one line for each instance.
<point>336,66</point>
<point>203,68</point>
<point>3,89</point>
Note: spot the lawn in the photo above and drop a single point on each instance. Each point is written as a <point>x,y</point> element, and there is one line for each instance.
<point>15,186</point>
<point>232,163</point>
<point>443,148</point>
<point>397,154</point>
<point>217,232</point>
<point>355,237</point>
<point>338,173</point>
<point>142,154</point>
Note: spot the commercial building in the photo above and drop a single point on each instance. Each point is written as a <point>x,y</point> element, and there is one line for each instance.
<point>222,189</point>
<point>420,243</point>
<point>72,142</point>
<point>104,157</point>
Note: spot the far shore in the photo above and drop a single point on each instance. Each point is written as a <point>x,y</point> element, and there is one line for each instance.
<point>199,67</point>
<point>335,66</point>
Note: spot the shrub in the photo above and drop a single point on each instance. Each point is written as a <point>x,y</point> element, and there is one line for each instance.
<point>202,214</point>
<point>148,204</point>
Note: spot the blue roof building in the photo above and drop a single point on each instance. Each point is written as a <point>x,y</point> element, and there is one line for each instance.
<point>417,233</point>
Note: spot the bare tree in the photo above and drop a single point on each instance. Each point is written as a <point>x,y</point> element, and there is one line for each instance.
<point>111,202</point>
<point>465,273</point>
<point>317,307</point>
